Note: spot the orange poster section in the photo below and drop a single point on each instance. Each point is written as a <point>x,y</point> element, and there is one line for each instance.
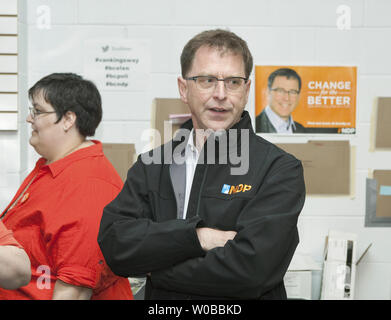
<point>327,97</point>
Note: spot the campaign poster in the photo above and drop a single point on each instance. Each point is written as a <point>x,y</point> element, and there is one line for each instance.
<point>305,99</point>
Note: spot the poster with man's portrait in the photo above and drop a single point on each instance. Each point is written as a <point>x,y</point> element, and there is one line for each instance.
<point>305,99</point>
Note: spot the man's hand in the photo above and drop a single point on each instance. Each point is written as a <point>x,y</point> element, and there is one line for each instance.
<point>213,238</point>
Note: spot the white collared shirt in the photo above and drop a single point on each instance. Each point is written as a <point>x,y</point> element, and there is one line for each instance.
<point>278,123</point>
<point>191,159</point>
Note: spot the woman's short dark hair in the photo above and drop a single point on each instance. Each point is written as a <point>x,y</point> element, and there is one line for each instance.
<point>70,92</point>
<point>283,72</point>
<point>220,39</point>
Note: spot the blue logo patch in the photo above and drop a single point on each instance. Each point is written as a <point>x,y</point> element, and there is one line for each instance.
<point>226,189</point>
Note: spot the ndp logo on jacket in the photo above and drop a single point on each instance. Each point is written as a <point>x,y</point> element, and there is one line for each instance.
<point>227,189</point>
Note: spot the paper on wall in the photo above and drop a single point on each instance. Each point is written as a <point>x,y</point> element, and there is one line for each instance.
<point>117,64</point>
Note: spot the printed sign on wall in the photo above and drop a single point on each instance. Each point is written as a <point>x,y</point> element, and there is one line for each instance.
<point>305,99</point>
<point>119,64</point>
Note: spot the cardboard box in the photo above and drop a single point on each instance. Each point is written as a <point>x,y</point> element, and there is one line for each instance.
<point>383,123</point>
<point>298,279</point>
<point>383,199</point>
<point>378,199</point>
<point>326,165</point>
<point>339,269</point>
<point>121,155</point>
<point>166,117</point>
<point>298,284</point>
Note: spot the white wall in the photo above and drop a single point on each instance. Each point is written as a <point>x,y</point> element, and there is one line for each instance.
<point>12,150</point>
<point>278,32</point>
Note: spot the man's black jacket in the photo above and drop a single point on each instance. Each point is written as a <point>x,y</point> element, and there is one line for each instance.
<point>140,232</point>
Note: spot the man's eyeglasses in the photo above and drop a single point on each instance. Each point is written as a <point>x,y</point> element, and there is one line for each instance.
<point>282,92</point>
<point>34,112</point>
<point>208,83</point>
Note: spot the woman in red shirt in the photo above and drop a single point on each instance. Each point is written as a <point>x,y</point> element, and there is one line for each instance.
<point>56,212</point>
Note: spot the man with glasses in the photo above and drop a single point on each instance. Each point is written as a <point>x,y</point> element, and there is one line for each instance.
<point>193,227</point>
<point>283,88</point>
